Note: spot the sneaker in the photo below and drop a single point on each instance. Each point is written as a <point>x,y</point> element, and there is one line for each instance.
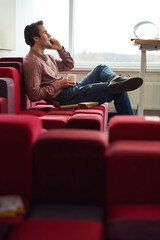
<point>124,84</point>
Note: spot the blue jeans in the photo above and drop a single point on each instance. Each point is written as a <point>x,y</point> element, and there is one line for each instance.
<point>94,88</point>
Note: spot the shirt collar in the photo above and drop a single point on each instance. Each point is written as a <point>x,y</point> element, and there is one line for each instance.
<point>43,56</point>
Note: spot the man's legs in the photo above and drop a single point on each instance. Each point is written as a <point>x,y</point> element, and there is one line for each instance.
<point>96,92</point>
<point>101,73</point>
<point>122,104</point>
<point>94,87</point>
<point>116,84</point>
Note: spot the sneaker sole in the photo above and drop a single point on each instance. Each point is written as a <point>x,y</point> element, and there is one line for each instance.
<point>125,86</point>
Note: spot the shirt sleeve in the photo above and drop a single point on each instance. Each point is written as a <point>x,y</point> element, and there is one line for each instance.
<point>35,90</point>
<point>67,62</point>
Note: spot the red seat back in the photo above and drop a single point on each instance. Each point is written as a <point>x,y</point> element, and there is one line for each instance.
<point>10,72</point>
<point>18,134</point>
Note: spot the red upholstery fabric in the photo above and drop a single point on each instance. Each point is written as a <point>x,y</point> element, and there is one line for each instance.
<point>57,229</point>
<point>42,107</point>
<point>4,230</point>
<point>17,63</point>
<point>133,172</point>
<point>18,66</point>
<point>18,135</point>
<point>11,72</point>
<point>33,112</point>
<point>132,189</point>
<point>134,128</point>
<point>57,111</point>
<point>54,121</point>
<point>86,121</point>
<point>94,118</point>
<point>130,229</point>
<point>134,211</point>
<point>12,59</point>
<point>69,167</point>
<point>3,105</point>
<point>90,111</point>
<point>95,112</point>
<point>104,108</point>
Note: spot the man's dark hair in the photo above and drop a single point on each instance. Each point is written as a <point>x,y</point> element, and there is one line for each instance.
<point>31,31</point>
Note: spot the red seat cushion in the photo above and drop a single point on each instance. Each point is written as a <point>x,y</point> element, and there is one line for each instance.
<point>54,121</point>
<point>86,121</point>
<point>34,113</point>
<point>41,107</point>
<point>57,111</point>
<point>57,229</point>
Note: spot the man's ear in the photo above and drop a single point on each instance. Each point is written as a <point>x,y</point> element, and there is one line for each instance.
<point>36,39</point>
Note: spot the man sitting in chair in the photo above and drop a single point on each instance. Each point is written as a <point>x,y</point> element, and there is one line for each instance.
<point>42,80</point>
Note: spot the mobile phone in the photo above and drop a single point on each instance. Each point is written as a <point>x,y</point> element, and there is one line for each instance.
<point>51,42</point>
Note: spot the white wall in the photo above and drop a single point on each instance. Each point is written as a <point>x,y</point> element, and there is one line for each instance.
<point>8,24</point>
<point>24,15</point>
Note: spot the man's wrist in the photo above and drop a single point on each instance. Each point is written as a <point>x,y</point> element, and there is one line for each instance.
<point>61,48</point>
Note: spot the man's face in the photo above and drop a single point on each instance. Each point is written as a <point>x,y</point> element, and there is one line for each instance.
<point>43,41</point>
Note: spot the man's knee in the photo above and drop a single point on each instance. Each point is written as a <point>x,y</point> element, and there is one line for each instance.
<point>102,66</point>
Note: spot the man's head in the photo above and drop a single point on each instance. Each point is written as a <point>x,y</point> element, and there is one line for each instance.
<point>32,31</point>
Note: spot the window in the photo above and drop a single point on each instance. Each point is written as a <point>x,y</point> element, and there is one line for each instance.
<point>55,15</point>
<point>101,30</point>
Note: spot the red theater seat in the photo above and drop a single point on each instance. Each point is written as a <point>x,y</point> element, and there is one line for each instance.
<point>77,167</point>
<point>18,135</point>
<point>69,178</point>
<point>7,91</point>
<point>134,128</point>
<point>54,121</point>
<point>18,65</point>
<point>132,189</point>
<point>12,73</point>
<point>136,167</point>
<point>94,118</point>
<point>85,121</point>
<point>132,178</point>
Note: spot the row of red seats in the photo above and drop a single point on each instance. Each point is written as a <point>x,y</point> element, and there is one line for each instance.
<point>81,184</point>
<point>13,99</point>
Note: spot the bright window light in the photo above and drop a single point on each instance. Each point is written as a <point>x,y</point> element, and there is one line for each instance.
<point>103,29</point>
<point>55,15</point>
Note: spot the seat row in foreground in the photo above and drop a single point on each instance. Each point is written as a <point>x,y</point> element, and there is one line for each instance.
<point>81,184</point>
